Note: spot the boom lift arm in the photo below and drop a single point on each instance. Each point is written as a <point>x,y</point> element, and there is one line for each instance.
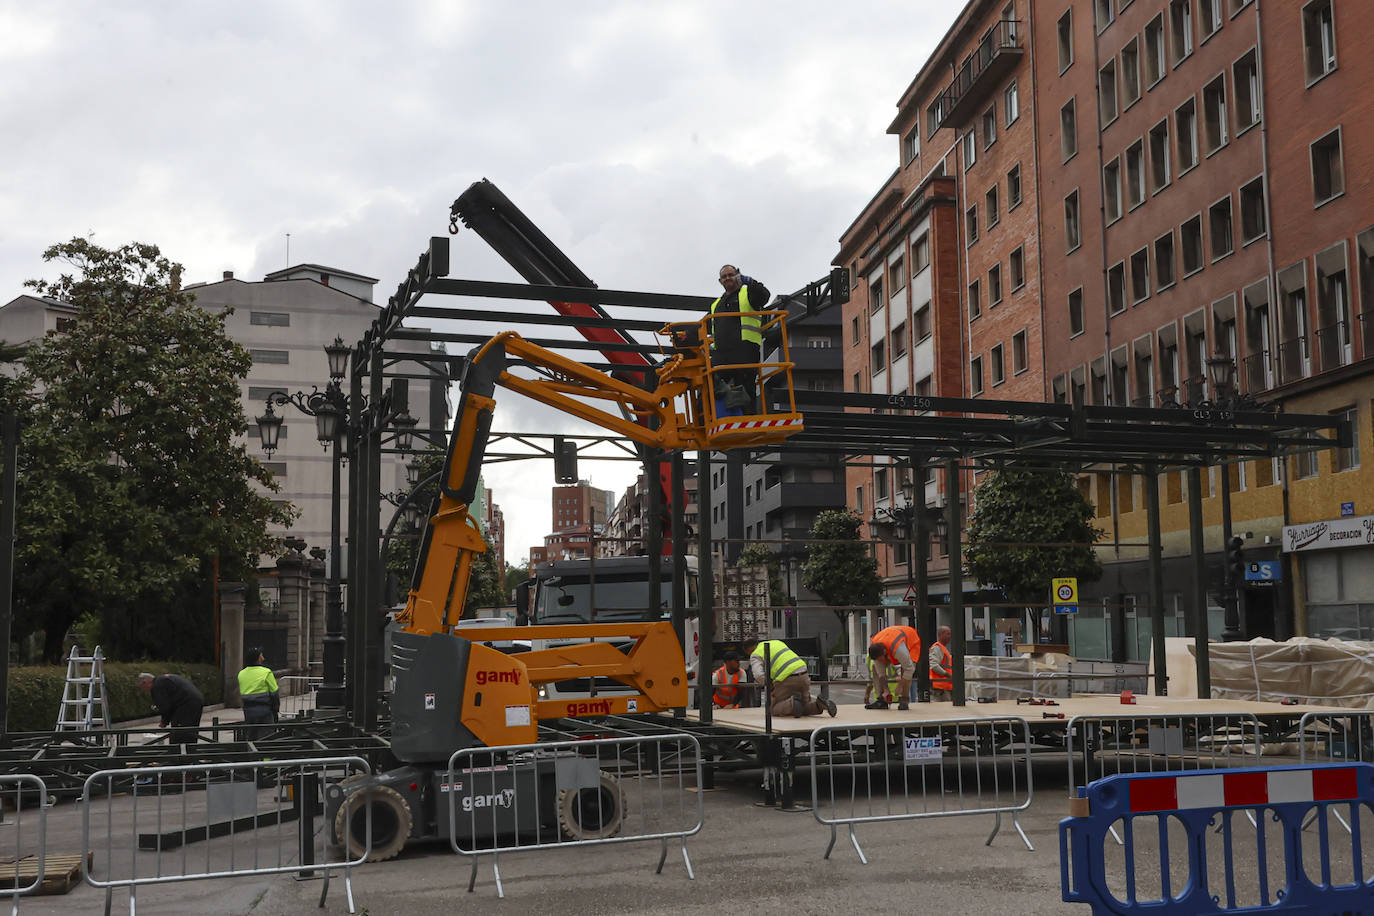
<point>679,412</point>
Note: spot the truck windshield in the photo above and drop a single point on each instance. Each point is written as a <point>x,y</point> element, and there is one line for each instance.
<point>614,599</point>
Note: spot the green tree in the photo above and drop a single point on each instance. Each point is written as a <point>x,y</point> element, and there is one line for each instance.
<point>759,554</point>
<point>1018,509</point>
<point>514,576</point>
<point>839,567</point>
<point>134,486</point>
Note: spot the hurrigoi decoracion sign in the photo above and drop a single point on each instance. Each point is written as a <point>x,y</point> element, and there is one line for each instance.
<point>1326,535</point>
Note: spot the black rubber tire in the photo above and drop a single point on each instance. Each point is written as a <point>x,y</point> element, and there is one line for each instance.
<point>592,814</point>
<point>391,822</point>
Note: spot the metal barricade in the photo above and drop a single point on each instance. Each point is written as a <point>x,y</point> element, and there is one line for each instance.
<point>913,770</point>
<point>573,793</point>
<point>24,849</point>
<point>1336,737</point>
<point>297,694</point>
<point>1100,746</point>
<point>1186,851</point>
<point>159,825</point>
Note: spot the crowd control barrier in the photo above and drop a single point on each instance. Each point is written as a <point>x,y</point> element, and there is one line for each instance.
<point>297,694</point>
<point>1101,746</point>
<point>161,825</point>
<point>557,794</point>
<point>24,839</point>
<point>914,770</point>
<point>1185,850</point>
<point>1336,737</point>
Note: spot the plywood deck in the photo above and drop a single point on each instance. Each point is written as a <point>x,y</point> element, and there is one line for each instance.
<point>854,715</point>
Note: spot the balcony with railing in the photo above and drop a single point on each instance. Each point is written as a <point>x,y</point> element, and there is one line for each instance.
<point>1333,346</point>
<point>1195,389</point>
<point>1258,376</point>
<point>1294,359</point>
<point>996,55</point>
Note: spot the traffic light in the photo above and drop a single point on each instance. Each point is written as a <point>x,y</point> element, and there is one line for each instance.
<point>1235,559</point>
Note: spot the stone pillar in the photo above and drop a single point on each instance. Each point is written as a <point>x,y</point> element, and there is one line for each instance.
<point>293,596</point>
<point>231,599</point>
<point>318,588</point>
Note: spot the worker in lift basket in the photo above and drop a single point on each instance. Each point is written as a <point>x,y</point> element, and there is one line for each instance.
<point>737,339</point>
<point>892,648</point>
<point>726,680</point>
<point>786,672</point>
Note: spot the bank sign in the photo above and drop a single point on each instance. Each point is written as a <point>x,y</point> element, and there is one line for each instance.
<point>1330,534</point>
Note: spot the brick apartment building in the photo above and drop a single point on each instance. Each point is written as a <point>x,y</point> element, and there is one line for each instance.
<point>1095,197</point>
<point>579,513</point>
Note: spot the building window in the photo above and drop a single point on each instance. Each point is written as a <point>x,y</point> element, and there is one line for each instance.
<point>1328,171</point>
<point>262,393</point>
<point>1155,65</point>
<point>1111,191</point>
<point>1140,276</point>
<point>854,330</point>
<point>970,150</point>
<point>1011,102</point>
<point>920,254</point>
<point>1164,261</point>
<point>1116,288</point>
<point>994,285</point>
<point>971,224</point>
<point>856,383</point>
<point>1020,355</point>
<point>975,301</point>
<point>1130,73</point>
<point>1016,266</point>
<point>1135,174</point>
<point>1072,233</point>
<point>1076,311</point>
<point>875,295</point>
<point>1105,12</point>
<point>999,374</point>
<point>1245,79</point>
<point>975,372</point>
<point>911,145</point>
<point>1181,29</point>
<point>270,319</point>
<point>1210,14</point>
<point>1318,39</point>
<point>859,498</point>
<point>1214,123</point>
<point>1253,221</point>
<point>270,356</point>
<point>1014,187</point>
<point>899,342</point>
<point>1106,92</point>
<point>1185,130</point>
<point>1219,228</point>
<point>1190,239</point>
<point>880,484</point>
<point>897,272</point>
<point>1068,129</point>
<point>1065,32</point>
<point>877,358</point>
<point>1344,459</point>
<point>923,325</point>
<point>1305,464</point>
<point>1159,155</point>
<point>990,204</point>
<point>989,127</point>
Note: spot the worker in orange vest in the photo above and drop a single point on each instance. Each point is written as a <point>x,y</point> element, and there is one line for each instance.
<point>942,667</point>
<point>893,647</point>
<point>726,679</point>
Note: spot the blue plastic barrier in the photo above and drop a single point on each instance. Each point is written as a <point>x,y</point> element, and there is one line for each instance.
<point>1208,801</point>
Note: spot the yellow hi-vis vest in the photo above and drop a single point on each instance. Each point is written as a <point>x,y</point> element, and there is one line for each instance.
<point>749,323</point>
<point>785,662</point>
<point>257,679</point>
<point>892,684</point>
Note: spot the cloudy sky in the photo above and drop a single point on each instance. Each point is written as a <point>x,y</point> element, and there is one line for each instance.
<point>650,141</point>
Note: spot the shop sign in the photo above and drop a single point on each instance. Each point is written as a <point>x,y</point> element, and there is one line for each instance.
<point>1330,534</point>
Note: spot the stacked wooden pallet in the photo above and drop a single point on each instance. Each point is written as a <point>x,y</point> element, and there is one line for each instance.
<point>61,873</point>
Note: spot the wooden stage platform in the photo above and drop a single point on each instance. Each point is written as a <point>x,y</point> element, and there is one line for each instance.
<point>855,716</point>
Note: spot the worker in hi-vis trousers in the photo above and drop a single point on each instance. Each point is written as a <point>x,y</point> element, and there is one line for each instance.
<point>893,648</point>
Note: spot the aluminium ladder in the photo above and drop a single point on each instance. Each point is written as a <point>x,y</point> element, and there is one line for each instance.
<point>83,698</point>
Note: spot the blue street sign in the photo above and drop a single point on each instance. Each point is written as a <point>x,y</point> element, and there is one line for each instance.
<point>1066,609</point>
<point>1347,509</point>
<point>1263,571</point>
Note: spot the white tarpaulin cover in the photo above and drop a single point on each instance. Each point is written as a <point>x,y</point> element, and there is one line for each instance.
<point>1327,672</point>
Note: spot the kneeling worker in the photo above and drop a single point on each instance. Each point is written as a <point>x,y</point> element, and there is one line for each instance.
<point>726,679</point>
<point>787,673</point>
<point>893,647</point>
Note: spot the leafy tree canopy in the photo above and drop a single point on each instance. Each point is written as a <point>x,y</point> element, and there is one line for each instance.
<point>133,482</point>
<point>840,569</point>
<point>1017,508</point>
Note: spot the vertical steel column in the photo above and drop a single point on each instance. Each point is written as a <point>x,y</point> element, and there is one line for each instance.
<point>1230,625</point>
<point>1156,580</point>
<point>331,693</point>
<point>679,535</point>
<point>353,617</point>
<point>653,539</point>
<point>953,524</point>
<point>370,601</point>
<point>706,588</point>
<point>9,511</point>
<point>1201,624</point>
<point>925,619</point>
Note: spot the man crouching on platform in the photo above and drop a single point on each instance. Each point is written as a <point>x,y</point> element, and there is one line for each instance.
<point>786,672</point>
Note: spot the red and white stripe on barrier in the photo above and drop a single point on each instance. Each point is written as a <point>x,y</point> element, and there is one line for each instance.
<point>1244,789</point>
<point>725,426</point>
